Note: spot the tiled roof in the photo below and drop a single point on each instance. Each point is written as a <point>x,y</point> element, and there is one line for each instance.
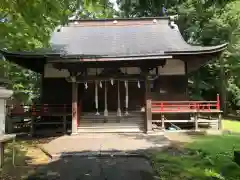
<point>124,38</point>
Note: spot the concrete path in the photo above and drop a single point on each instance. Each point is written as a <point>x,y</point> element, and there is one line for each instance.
<point>103,143</point>
<point>95,168</point>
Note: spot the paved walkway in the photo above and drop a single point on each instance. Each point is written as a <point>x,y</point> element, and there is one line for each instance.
<point>95,168</point>
<point>103,143</point>
<point>95,165</point>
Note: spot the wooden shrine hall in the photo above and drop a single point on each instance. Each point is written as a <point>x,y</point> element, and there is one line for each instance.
<point>117,75</point>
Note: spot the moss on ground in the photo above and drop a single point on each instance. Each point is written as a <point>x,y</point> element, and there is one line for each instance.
<point>231,125</point>
<point>28,157</point>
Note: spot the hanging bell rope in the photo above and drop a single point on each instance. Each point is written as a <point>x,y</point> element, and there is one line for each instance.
<point>126,100</point>
<point>118,93</point>
<point>105,100</point>
<point>96,97</point>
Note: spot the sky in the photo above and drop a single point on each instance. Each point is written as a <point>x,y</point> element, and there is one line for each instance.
<point>115,4</point>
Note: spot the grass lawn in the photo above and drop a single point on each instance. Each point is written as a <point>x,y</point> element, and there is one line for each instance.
<point>231,125</point>
<point>205,157</point>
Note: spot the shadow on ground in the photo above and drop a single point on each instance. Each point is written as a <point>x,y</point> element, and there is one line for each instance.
<point>95,168</point>
<point>103,164</point>
<point>205,159</point>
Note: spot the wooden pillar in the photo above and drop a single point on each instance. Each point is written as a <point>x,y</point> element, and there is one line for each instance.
<point>219,121</point>
<point>1,154</point>
<point>74,107</point>
<point>163,123</point>
<point>148,110</point>
<point>32,128</point>
<point>196,115</point>
<point>64,119</point>
<point>119,113</point>
<point>33,117</point>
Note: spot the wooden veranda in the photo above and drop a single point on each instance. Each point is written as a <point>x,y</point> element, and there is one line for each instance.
<point>197,111</point>
<point>157,112</point>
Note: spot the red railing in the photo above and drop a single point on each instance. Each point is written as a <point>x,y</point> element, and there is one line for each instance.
<point>185,106</point>
<point>39,109</point>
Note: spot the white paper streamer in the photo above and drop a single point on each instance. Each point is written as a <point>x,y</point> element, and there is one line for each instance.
<point>111,81</point>
<point>85,85</point>
<point>139,85</point>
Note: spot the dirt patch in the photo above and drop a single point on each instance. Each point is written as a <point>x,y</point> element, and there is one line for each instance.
<point>36,156</point>
<point>178,137</point>
<point>28,157</point>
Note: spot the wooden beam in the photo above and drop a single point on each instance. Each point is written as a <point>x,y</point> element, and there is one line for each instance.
<point>81,66</point>
<point>134,77</point>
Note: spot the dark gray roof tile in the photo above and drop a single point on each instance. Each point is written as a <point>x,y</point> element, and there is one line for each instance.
<point>122,41</point>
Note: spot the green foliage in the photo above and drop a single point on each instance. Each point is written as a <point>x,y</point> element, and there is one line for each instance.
<point>28,25</point>
<point>208,157</point>
<point>204,22</point>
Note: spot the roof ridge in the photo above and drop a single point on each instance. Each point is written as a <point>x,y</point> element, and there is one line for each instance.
<point>121,19</point>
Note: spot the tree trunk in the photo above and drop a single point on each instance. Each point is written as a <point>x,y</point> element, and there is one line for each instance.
<point>223,87</point>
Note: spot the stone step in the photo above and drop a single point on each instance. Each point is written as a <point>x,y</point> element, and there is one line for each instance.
<point>113,113</point>
<point>110,129</point>
<point>101,118</point>
<point>115,125</point>
<point>111,119</point>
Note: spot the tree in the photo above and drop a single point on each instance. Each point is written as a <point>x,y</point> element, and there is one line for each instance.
<point>28,24</point>
<point>204,22</point>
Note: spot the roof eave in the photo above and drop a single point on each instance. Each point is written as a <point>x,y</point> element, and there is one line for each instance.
<point>28,54</point>
<point>210,50</point>
<point>32,61</point>
<point>106,58</point>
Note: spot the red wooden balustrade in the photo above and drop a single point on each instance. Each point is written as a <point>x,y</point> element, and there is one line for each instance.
<point>40,109</point>
<point>185,106</point>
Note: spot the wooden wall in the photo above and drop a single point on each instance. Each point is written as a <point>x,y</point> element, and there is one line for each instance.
<point>167,88</point>
<point>56,91</point>
<point>170,88</point>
